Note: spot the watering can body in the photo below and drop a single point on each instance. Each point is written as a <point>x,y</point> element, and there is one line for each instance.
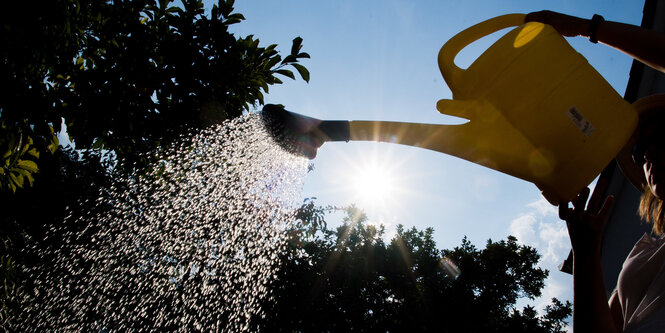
<point>536,109</point>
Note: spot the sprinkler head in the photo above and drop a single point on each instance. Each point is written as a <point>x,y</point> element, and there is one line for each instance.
<point>301,135</point>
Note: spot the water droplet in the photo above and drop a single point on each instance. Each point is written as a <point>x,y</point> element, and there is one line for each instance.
<point>192,247</point>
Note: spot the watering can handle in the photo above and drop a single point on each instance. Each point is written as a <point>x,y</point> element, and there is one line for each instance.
<point>451,73</point>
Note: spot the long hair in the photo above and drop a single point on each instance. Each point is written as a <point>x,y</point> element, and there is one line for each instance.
<point>651,210</point>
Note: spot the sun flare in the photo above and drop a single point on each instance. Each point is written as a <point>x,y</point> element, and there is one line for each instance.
<point>375,178</point>
<point>377,183</point>
<point>373,185</point>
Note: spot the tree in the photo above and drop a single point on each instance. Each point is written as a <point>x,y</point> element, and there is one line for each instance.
<point>349,279</point>
<point>125,77</point>
<point>69,182</point>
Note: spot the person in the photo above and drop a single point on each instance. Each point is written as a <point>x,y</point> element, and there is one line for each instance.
<point>638,303</point>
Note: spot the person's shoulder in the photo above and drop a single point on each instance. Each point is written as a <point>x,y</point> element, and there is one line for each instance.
<point>647,243</point>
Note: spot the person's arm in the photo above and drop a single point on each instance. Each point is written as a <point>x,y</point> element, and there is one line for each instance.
<point>591,311</point>
<point>645,45</point>
<point>615,310</point>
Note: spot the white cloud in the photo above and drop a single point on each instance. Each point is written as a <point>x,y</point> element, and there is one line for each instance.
<point>539,226</point>
<point>543,208</point>
<point>524,228</point>
<point>558,286</point>
<point>557,244</point>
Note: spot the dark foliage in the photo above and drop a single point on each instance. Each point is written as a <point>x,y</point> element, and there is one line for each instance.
<point>124,76</point>
<point>351,280</point>
<point>68,184</point>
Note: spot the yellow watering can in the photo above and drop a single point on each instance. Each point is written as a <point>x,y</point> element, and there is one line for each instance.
<point>536,109</point>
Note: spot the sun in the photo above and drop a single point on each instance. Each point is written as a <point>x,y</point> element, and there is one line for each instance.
<point>373,184</point>
<point>372,176</point>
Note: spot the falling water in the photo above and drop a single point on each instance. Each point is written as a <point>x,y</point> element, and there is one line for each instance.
<point>192,246</point>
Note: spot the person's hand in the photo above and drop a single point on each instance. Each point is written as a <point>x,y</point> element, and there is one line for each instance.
<point>293,132</point>
<point>566,25</point>
<point>585,225</point>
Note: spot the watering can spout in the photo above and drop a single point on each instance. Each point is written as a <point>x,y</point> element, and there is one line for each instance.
<point>301,135</point>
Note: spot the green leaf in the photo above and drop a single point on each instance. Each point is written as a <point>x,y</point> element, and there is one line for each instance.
<point>289,58</point>
<point>272,62</point>
<point>286,72</point>
<point>16,179</point>
<point>28,165</point>
<point>26,175</point>
<point>268,53</point>
<point>264,85</point>
<point>25,148</point>
<point>33,152</point>
<point>237,16</point>
<point>297,45</point>
<point>226,7</point>
<point>30,179</point>
<point>232,21</point>
<point>21,171</point>
<point>260,97</point>
<point>304,73</point>
<point>53,144</point>
<point>303,55</point>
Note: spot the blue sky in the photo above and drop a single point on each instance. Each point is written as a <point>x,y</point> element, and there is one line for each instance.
<point>376,60</point>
